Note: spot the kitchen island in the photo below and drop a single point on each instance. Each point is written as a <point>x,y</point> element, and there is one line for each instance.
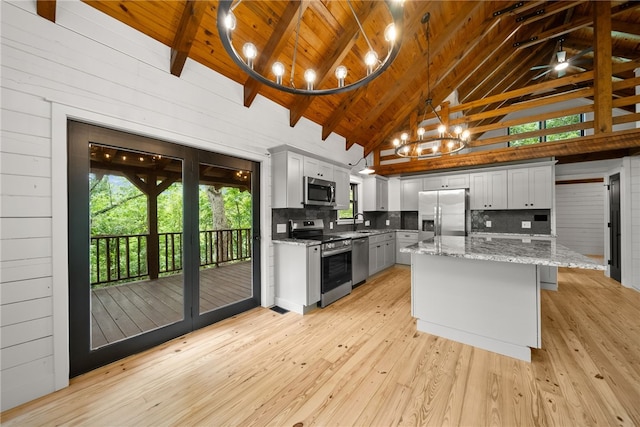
<point>485,291</point>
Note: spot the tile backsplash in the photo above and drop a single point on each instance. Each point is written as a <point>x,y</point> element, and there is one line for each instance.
<point>510,221</point>
<point>378,220</point>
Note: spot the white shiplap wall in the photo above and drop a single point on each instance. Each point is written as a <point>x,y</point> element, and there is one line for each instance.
<point>580,217</point>
<point>635,221</point>
<point>91,67</point>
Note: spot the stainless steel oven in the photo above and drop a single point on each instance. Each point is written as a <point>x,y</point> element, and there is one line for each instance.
<point>335,262</point>
<point>336,280</point>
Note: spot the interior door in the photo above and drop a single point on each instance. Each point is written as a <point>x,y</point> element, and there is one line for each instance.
<point>135,254</point>
<point>615,256</point>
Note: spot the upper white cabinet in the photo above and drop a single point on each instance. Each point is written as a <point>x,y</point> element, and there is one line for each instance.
<point>343,187</point>
<point>488,190</point>
<point>376,194</point>
<point>316,168</point>
<point>409,189</point>
<point>287,173</point>
<point>530,188</point>
<point>446,181</point>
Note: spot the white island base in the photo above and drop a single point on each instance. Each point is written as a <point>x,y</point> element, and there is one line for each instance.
<point>487,304</point>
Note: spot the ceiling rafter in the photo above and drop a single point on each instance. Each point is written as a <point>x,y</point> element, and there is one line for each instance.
<point>189,24</point>
<point>274,46</point>
<point>468,11</point>
<point>47,9</point>
<point>550,10</point>
<point>582,22</point>
<point>465,67</point>
<point>340,50</point>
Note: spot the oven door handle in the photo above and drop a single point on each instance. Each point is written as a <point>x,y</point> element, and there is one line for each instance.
<point>332,252</point>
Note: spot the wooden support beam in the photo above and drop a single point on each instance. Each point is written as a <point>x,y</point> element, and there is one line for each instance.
<point>274,46</point>
<point>186,33</point>
<point>575,146</point>
<point>602,83</point>
<point>47,9</point>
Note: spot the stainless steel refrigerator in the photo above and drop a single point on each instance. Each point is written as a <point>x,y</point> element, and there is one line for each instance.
<point>442,213</point>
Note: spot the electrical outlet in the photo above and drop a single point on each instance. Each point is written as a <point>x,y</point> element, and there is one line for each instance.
<point>388,222</point>
<point>331,225</point>
<point>526,224</point>
<point>367,223</point>
<point>487,224</point>
<point>281,228</point>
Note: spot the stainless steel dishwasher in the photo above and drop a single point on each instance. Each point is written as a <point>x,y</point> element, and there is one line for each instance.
<point>359,259</point>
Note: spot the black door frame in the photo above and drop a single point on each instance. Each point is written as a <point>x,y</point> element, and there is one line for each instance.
<point>615,229</point>
<point>81,357</point>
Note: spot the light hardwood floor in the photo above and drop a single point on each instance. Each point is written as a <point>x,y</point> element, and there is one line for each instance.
<point>360,361</point>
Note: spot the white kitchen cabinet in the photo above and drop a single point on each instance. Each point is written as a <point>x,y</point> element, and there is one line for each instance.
<point>297,277</point>
<point>409,189</point>
<point>382,252</point>
<point>446,181</point>
<point>548,276</point>
<point>403,239</point>
<point>316,168</point>
<point>488,190</point>
<point>530,188</point>
<point>376,194</point>
<point>287,180</point>
<point>343,187</point>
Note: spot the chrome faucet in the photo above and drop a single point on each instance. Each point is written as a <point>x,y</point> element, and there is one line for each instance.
<point>354,219</point>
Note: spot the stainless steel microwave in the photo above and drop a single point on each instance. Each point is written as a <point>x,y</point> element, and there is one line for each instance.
<point>319,192</point>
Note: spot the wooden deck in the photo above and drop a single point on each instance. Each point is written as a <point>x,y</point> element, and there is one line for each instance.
<point>123,311</point>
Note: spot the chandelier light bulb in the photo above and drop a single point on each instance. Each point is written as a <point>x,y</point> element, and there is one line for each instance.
<point>370,60</point>
<point>466,134</point>
<point>230,21</point>
<point>442,129</point>
<point>457,130</point>
<point>450,145</point>
<point>419,151</point>
<point>309,77</point>
<point>396,142</point>
<point>341,74</point>
<point>435,148</point>
<point>406,149</point>
<point>421,132</point>
<point>404,137</point>
<point>250,52</point>
<point>278,70</point>
<point>390,33</point>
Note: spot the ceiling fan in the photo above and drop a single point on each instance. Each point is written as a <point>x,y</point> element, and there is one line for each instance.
<point>562,63</point>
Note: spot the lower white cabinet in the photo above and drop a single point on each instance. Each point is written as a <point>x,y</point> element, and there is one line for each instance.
<point>548,276</point>
<point>297,276</point>
<point>382,252</point>
<point>404,239</point>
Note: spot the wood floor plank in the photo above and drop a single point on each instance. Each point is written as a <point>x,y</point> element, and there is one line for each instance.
<point>360,361</point>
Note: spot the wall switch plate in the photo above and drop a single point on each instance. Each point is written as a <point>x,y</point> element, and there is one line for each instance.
<point>281,228</point>
<point>331,225</point>
<point>487,224</point>
<point>526,224</point>
<point>388,222</point>
<point>367,223</point>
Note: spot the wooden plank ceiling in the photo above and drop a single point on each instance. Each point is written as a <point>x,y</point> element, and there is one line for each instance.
<point>478,49</point>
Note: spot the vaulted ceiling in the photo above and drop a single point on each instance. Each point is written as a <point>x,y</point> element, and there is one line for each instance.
<point>478,49</point>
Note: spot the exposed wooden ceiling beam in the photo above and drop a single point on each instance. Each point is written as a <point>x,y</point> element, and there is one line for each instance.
<point>603,87</point>
<point>417,69</point>
<point>274,46</point>
<point>187,29</point>
<point>625,27</point>
<point>47,9</point>
<point>576,146</point>
<point>550,10</point>
<point>576,24</point>
<point>341,48</point>
<point>464,67</point>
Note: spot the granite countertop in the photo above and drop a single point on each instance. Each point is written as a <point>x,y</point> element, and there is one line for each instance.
<point>522,250</point>
<point>346,234</point>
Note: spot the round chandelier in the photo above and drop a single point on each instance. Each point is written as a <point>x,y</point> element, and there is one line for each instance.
<point>422,145</point>
<point>372,65</point>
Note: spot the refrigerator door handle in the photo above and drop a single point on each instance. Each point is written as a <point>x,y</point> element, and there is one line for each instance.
<point>436,223</point>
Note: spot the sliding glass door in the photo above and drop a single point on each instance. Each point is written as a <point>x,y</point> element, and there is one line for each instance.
<point>160,241</point>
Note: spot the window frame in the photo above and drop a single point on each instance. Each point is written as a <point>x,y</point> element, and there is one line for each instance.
<point>542,124</point>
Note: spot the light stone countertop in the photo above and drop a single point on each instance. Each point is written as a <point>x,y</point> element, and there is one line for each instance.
<point>346,234</point>
<point>521,250</point>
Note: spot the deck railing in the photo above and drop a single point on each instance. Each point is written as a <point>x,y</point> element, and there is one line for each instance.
<point>124,258</point>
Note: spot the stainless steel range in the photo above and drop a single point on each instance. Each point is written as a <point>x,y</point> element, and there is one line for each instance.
<point>335,252</point>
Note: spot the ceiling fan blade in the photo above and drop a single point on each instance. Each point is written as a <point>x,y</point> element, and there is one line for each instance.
<point>540,67</point>
<point>580,54</point>
<point>542,74</point>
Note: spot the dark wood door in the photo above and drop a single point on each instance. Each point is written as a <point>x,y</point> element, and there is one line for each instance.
<point>615,256</point>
